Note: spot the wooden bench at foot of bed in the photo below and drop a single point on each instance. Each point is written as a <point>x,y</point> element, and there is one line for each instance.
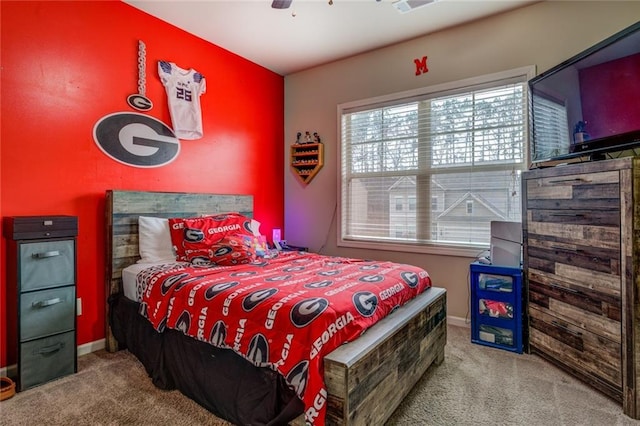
<point>368,378</point>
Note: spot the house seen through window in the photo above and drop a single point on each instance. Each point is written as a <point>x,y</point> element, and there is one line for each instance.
<point>433,168</point>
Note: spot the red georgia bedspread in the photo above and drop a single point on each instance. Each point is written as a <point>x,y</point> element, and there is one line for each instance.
<point>285,313</point>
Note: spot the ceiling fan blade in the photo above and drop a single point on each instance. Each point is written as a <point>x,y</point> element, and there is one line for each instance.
<point>281,4</point>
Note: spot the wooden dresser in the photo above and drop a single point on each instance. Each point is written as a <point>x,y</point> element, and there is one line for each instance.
<point>581,252</point>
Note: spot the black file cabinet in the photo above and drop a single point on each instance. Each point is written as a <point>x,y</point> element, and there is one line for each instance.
<point>41,269</point>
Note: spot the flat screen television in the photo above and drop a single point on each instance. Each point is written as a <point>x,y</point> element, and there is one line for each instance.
<point>589,105</point>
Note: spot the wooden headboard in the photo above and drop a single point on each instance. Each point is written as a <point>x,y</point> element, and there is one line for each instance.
<point>122,211</point>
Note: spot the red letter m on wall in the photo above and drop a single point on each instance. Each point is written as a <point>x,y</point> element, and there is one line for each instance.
<point>421,65</point>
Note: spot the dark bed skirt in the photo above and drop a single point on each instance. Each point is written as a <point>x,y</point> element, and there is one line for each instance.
<point>218,379</point>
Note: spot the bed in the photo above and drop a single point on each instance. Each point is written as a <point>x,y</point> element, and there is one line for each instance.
<point>362,382</point>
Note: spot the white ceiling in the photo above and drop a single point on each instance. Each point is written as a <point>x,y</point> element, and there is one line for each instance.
<point>312,32</point>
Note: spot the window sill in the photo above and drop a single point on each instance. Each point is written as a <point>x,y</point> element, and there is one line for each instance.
<point>444,250</point>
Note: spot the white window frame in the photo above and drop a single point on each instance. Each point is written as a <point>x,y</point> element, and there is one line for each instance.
<point>469,206</point>
<point>399,202</point>
<point>412,203</point>
<point>522,74</point>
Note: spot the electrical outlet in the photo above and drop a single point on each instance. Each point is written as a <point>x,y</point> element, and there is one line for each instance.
<point>78,306</point>
<point>277,234</point>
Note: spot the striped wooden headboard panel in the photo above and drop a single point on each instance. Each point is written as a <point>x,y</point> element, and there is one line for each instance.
<point>122,211</point>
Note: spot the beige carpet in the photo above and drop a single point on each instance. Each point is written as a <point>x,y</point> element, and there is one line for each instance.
<point>475,385</point>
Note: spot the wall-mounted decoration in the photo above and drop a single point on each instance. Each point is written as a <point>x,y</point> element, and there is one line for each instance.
<point>140,101</point>
<point>184,88</point>
<point>421,65</point>
<point>133,138</point>
<point>136,139</point>
<point>307,156</point>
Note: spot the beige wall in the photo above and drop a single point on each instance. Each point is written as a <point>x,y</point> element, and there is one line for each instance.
<point>543,34</point>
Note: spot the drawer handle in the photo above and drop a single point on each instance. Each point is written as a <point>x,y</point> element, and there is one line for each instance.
<point>576,251</point>
<point>46,254</point>
<point>565,328</point>
<point>568,214</point>
<point>563,288</point>
<point>568,180</point>
<point>48,302</point>
<point>50,349</point>
<point>571,250</point>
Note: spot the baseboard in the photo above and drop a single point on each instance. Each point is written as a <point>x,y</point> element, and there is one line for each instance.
<point>458,322</point>
<point>94,346</point>
<point>9,371</point>
<point>87,348</point>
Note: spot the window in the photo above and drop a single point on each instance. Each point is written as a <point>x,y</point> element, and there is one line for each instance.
<point>453,154</point>
<point>470,207</point>
<point>412,203</point>
<point>435,204</point>
<point>399,204</point>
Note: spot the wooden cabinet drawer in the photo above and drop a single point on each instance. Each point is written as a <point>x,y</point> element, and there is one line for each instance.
<point>588,191</point>
<point>555,256</point>
<point>575,218</point>
<point>47,312</point>
<point>588,309</point>
<point>45,359</point>
<point>46,264</point>
<point>579,208</point>
<point>576,348</point>
<point>601,229</point>
<point>40,227</point>
<point>575,279</point>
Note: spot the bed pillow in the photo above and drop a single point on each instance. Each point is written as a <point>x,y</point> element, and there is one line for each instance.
<point>231,250</point>
<point>254,225</point>
<point>194,237</point>
<point>154,240</point>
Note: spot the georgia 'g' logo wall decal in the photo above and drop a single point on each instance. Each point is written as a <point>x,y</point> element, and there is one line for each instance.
<point>136,139</point>
<point>133,138</point>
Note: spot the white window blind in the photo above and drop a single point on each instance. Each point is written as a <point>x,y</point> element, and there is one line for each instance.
<point>454,156</point>
<point>551,131</point>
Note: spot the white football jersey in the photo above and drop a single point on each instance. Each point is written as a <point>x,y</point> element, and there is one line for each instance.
<point>184,88</point>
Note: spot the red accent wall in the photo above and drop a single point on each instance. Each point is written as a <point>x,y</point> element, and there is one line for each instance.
<point>65,65</point>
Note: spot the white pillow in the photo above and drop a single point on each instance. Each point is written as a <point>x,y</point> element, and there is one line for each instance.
<point>154,240</point>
